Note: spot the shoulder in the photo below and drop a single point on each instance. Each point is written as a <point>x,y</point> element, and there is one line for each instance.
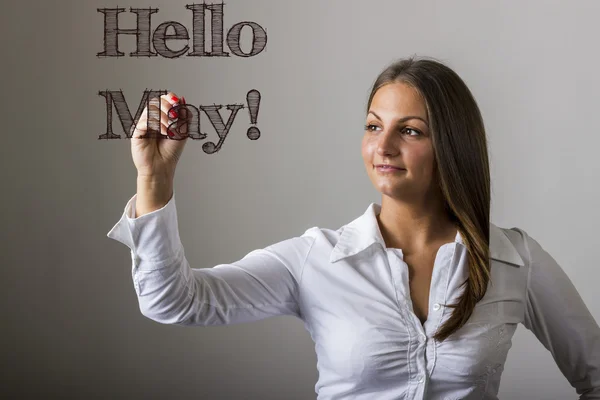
<point>300,246</point>
<point>528,247</point>
<point>324,234</point>
<point>514,234</point>
<point>509,245</point>
<point>534,255</point>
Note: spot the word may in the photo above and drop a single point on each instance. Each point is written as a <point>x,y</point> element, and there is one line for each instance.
<point>128,122</point>
<point>159,37</point>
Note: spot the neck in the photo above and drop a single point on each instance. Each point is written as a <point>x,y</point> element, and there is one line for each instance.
<point>414,227</point>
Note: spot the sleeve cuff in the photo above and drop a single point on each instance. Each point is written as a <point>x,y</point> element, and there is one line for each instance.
<point>153,237</point>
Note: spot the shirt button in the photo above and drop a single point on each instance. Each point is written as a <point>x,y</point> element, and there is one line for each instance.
<point>423,338</point>
<point>436,306</point>
<point>420,380</point>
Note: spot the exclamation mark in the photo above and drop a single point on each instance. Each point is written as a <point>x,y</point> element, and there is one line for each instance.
<point>253,100</point>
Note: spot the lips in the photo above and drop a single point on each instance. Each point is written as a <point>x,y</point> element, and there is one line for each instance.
<point>384,166</point>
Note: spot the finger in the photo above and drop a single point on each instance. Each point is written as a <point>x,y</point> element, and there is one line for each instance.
<point>152,128</point>
<point>176,114</point>
<point>179,127</point>
<point>184,113</point>
<point>153,124</point>
<point>177,130</point>
<point>170,104</point>
<point>171,98</point>
<point>152,118</point>
<point>184,117</point>
<point>159,119</point>
<point>169,112</point>
<point>141,128</point>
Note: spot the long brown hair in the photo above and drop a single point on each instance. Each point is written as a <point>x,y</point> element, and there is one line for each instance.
<point>460,147</point>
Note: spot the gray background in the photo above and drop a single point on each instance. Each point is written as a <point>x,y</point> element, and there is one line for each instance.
<point>71,324</point>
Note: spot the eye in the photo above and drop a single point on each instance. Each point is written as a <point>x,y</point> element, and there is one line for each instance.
<point>411,129</point>
<point>369,127</point>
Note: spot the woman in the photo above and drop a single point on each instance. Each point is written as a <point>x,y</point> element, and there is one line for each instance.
<point>418,298</point>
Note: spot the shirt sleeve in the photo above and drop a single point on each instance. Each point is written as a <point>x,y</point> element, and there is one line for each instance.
<point>558,317</point>
<point>262,284</point>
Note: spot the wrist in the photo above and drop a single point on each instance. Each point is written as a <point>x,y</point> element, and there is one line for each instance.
<point>153,193</point>
<point>155,179</point>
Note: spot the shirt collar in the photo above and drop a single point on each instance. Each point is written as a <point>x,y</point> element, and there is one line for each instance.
<point>364,232</point>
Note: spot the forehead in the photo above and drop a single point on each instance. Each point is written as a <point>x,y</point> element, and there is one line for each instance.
<point>398,98</point>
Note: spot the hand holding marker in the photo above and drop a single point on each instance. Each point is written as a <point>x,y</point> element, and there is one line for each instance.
<point>155,158</point>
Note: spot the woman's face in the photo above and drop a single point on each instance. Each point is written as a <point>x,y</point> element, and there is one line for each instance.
<point>396,136</point>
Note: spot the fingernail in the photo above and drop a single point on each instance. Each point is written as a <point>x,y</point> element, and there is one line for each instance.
<point>175,99</point>
<point>183,100</point>
<point>173,114</point>
<point>170,133</point>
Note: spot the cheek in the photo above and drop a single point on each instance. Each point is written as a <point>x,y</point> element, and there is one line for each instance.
<point>367,149</point>
<point>420,159</point>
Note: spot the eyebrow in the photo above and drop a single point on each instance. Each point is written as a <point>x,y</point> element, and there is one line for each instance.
<point>403,118</point>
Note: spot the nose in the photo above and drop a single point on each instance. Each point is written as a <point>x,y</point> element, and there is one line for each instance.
<point>386,143</point>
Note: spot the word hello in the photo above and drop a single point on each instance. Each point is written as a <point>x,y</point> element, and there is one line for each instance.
<point>159,36</point>
<point>128,122</point>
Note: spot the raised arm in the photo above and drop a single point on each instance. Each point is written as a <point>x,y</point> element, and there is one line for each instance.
<point>264,283</point>
<point>559,318</point>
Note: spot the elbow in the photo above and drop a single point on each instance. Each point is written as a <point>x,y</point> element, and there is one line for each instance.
<point>174,309</point>
<point>180,308</point>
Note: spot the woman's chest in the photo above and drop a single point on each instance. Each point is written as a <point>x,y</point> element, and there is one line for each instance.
<point>420,270</point>
<point>365,330</point>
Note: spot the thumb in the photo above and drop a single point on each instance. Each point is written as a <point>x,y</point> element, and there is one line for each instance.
<point>181,130</point>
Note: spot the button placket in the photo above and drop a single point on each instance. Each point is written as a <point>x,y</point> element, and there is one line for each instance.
<point>417,365</point>
<point>439,291</point>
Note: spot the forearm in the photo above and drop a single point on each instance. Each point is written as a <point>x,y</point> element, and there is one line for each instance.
<point>153,193</point>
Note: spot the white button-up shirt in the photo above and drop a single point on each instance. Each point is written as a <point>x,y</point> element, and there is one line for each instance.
<point>352,293</point>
